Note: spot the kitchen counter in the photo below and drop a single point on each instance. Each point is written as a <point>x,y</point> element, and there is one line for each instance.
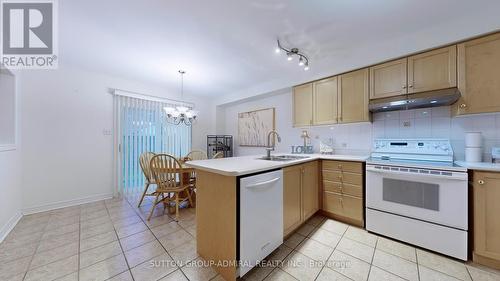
<point>483,166</point>
<point>218,203</point>
<point>239,166</point>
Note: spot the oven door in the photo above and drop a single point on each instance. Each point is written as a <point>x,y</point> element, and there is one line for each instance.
<point>423,194</point>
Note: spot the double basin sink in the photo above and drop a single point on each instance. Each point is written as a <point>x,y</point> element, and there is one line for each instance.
<point>282,158</point>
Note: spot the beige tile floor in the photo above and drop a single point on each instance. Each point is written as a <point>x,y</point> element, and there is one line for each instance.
<point>111,240</point>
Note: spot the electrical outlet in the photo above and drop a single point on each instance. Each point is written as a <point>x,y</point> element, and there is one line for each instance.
<point>107,132</point>
<point>406,124</point>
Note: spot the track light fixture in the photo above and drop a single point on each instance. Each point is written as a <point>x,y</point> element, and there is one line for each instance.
<point>293,52</point>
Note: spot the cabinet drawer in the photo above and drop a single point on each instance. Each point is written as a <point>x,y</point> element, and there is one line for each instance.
<point>332,186</point>
<point>343,188</point>
<point>353,167</point>
<point>343,205</point>
<point>343,177</point>
<point>353,190</point>
<point>352,207</point>
<point>332,202</point>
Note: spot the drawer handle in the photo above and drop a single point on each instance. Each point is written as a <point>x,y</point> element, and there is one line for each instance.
<point>481,182</point>
<point>463,105</point>
<point>339,166</point>
<point>340,177</point>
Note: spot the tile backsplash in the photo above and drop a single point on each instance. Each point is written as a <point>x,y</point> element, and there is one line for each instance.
<point>417,123</point>
<point>357,138</point>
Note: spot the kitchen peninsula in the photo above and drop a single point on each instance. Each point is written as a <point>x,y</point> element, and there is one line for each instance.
<point>221,201</point>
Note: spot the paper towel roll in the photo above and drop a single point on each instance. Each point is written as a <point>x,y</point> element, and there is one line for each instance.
<point>473,139</point>
<point>473,154</point>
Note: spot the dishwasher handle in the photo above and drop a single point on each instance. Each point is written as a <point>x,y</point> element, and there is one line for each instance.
<point>263,184</point>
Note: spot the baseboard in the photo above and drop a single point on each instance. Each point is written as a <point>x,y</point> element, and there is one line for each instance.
<point>68,203</point>
<point>7,228</point>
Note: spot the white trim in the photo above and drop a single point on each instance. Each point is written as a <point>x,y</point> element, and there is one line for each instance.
<point>119,92</point>
<point>8,147</point>
<point>7,228</point>
<point>68,203</point>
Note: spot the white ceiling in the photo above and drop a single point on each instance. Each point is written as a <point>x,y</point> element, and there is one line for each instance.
<point>227,46</point>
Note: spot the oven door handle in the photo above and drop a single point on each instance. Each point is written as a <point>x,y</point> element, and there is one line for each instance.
<point>454,176</point>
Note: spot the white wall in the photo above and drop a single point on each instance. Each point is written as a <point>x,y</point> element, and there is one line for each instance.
<point>66,156</point>
<point>7,108</point>
<point>10,187</point>
<point>357,138</point>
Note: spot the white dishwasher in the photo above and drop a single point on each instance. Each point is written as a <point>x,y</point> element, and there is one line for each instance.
<point>261,217</point>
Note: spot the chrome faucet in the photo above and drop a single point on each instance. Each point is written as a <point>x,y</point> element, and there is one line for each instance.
<point>270,147</point>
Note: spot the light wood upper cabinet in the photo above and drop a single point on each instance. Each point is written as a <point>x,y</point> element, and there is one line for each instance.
<point>354,96</point>
<point>292,213</point>
<point>388,79</point>
<point>310,189</point>
<point>325,100</point>
<point>478,76</point>
<point>302,105</point>
<point>433,70</point>
<point>486,188</point>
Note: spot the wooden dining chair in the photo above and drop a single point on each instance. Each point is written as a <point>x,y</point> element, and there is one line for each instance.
<point>144,161</point>
<point>218,155</point>
<point>168,174</point>
<point>196,155</point>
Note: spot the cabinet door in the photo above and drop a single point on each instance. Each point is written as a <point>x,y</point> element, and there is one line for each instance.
<point>302,105</point>
<point>325,101</point>
<point>388,79</point>
<point>310,189</point>
<point>486,211</point>
<point>354,97</point>
<point>292,215</point>
<point>433,70</point>
<point>478,81</point>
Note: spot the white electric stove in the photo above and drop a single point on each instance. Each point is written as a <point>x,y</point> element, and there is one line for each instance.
<point>414,193</point>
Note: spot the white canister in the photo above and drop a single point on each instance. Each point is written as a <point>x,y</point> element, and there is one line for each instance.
<point>473,139</point>
<point>473,154</point>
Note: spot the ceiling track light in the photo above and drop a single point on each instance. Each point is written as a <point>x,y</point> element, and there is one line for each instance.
<point>293,52</point>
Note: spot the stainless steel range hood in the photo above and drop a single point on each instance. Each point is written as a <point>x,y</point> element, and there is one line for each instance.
<point>419,100</point>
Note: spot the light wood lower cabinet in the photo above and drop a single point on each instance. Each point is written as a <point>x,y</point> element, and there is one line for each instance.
<point>300,194</point>
<point>478,82</point>
<point>342,191</point>
<point>486,190</point>
<point>292,213</point>
<point>310,189</point>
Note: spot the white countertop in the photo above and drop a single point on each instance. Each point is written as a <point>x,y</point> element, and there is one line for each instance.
<point>239,166</point>
<point>483,166</point>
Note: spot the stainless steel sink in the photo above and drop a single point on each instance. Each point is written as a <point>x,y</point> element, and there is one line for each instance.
<point>283,157</point>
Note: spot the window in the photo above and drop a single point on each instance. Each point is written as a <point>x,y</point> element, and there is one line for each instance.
<point>7,110</point>
<point>143,127</point>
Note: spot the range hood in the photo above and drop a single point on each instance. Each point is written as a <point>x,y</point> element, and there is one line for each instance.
<point>419,100</point>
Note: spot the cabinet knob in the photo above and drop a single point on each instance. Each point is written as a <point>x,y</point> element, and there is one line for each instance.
<point>481,182</point>
<point>411,86</point>
<point>404,86</point>
<point>339,166</point>
<point>463,105</point>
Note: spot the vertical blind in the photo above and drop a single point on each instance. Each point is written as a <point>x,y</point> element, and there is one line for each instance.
<point>141,126</point>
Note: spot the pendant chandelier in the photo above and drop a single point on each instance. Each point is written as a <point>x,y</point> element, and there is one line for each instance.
<point>181,114</point>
